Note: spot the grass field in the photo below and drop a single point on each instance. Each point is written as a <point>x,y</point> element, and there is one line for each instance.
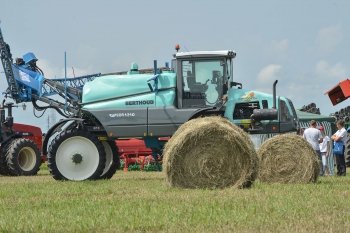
<point>141,202</point>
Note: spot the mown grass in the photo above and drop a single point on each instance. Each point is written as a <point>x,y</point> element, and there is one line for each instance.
<point>141,202</point>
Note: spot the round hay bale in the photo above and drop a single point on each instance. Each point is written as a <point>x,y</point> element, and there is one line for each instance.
<point>287,158</point>
<point>210,152</point>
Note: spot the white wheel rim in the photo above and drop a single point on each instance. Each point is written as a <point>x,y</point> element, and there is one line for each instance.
<point>26,159</point>
<point>109,157</point>
<point>86,156</point>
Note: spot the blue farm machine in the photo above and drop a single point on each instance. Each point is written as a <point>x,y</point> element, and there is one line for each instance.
<point>146,104</point>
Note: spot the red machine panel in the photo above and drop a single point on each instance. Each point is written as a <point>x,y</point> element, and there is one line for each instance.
<point>340,92</point>
<point>134,150</point>
<point>34,133</point>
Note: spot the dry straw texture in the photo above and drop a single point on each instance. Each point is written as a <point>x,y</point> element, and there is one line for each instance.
<point>210,152</point>
<point>287,158</point>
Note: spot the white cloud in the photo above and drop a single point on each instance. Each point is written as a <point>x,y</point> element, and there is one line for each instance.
<point>277,50</point>
<point>329,38</point>
<point>269,73</point>
<point>280,46</point>
<point>326,70</point>
<point>51,71</point>
<point>76,72</point>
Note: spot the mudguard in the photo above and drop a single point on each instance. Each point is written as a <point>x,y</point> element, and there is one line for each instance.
<point>52,130</point>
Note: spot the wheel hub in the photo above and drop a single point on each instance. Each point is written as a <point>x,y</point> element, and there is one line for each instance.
<point>77,158</point>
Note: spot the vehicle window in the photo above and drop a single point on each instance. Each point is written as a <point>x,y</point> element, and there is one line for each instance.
<point>203,80</point>
<point>284,112</point>
<point>245,110</point>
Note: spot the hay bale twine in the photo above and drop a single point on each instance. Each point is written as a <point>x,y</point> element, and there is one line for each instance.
<point>210,152</point>
<point>287,158</point>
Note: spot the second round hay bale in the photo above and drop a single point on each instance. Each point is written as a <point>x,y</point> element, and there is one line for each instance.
<point>210,152</point>
<point>287,158</point>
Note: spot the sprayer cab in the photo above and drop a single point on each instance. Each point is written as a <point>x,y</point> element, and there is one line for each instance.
<point>203,77</point>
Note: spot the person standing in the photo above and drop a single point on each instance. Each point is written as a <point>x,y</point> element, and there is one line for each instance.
<point>340,135</point>
<point>326,157</point>
<point>313,136</point>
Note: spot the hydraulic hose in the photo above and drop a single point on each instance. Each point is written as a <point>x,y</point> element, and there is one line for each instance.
<point>41,108</point>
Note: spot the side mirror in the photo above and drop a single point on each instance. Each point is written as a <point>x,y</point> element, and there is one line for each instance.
<point>155,86</point>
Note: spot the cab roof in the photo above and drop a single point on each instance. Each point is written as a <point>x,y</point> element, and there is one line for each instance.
<point>218,53</point>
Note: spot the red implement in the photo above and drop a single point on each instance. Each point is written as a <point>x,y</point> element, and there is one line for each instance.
<point>134,151</point>
<point>340,92</point>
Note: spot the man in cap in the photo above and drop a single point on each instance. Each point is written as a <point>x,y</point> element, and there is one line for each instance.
<point>313,136</point>
<point>341,136</point>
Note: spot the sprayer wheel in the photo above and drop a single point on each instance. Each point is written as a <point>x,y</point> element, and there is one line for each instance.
<point>23,157</point>
<point>112,159</point>
<point>76,155</point>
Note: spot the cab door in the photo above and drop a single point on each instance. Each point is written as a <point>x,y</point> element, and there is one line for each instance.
<point>201,82</point>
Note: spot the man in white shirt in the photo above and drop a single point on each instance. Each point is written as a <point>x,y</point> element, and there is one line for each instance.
<point>340,135</point>
<point>314,137</point>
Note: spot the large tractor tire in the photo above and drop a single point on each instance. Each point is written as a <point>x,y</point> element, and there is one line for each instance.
<point>112,160</point>
<point>347,152</point>
<point>23,157</point>
<point>76,155</point>
<point>3,163</point>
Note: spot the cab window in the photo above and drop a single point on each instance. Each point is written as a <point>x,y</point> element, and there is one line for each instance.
<point>203,82</point>
<point>285,115</point>
<point>245,110</point>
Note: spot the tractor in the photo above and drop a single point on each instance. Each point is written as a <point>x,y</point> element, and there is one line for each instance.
<point>138,103</point>
<point>20,145</point>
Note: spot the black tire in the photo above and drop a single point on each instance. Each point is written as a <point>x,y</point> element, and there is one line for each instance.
<point>76,155</point>
<point>3,163</point>
<point>23,157</point>
<point>347,152</point>
<point>112,160</point>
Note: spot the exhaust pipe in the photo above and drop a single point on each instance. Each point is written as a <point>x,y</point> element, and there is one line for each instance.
<point>264,114</point>
<point>274,94</point>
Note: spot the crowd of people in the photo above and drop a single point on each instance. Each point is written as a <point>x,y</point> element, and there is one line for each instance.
<point>322,144</point>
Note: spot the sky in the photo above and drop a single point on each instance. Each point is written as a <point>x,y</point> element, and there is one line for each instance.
<point>301,43</point>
